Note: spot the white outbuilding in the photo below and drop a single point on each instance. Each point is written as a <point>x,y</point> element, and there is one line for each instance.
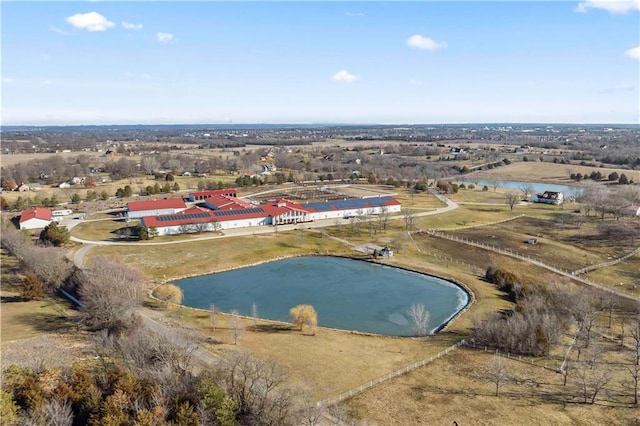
<point>35,218</point>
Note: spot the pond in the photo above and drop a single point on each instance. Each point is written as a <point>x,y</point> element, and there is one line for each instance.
<point>535,187</point>
<point>347,294</point>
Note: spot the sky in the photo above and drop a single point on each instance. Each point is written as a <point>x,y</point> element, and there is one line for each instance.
<point>430,62</point>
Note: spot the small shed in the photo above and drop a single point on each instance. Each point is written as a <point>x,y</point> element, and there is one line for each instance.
<point>386,252</point>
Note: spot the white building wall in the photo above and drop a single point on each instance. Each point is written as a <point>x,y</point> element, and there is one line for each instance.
<point>337,214</point>
<point>245,223</point>
<point>34,223</point>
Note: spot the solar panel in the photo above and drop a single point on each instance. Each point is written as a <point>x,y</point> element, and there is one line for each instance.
<point>170,217</point>
<point>348,204</point>
<point>238,212</point>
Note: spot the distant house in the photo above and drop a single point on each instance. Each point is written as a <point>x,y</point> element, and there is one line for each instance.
<point>548,197</point>
<point>35,218</point>
<point>137,209</point>
<point>631,210</point>
<point>23,188</point>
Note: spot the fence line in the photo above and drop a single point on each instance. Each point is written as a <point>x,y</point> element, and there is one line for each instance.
<point>514,357</point>
<point>605,264</point>
<point>510,253</point>
<point>357,390</point>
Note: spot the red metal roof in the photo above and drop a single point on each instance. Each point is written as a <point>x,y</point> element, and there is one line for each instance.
<point>223,202</point>
<point>171,203</point>
<point>35,213</point>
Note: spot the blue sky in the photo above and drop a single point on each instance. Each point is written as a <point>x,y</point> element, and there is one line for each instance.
<point>320,62</point>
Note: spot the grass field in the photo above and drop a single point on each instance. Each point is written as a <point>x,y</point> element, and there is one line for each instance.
<point>451,388</point>
<point>23,319</point>
<point>534,171</point>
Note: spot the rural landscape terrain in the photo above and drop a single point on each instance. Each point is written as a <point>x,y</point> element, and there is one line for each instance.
<point>93,329</point>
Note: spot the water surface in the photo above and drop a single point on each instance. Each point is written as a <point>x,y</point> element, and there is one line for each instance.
<point>347,294</point>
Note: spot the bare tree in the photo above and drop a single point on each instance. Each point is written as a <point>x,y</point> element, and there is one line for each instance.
<point>256,386</point>
<point>592,379</point>
<point>254,316</point>
<point>383,218</point>
<point>213,311</point>
<point>111,293</point>
<point>236,326</point>
<point>144,349</point>
<point>309,412</point>
<point>53,412</point>
<point>497,372</point>
<point>512,198</point>
<point>634,367</point>
<point>527,189</point>
<point>419,317</point>
<point>149,164</point>
<point>409,220</point>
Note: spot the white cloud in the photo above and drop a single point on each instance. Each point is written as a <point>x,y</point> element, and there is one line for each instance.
<point>358,14</point>
<point>343,75</point>
<point>633,53</point>
<point>130,26</point>
<point>422,42</point>
<point>611,6</point>
<point>415,82</point>
<point>164,37</point>
<point>91,21</point>
<point>46,82</point>
<point>45,57</point>
<point>7,80</point>
<point>58,30</point>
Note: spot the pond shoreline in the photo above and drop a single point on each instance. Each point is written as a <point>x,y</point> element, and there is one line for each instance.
<point>468,300</point>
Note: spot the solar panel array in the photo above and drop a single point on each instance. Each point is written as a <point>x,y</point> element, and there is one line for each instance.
<point>348,204</point>
<point>238,212</point>
<point>170,217</point>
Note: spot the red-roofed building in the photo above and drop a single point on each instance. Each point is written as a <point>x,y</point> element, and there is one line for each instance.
<point>226,213</point>
<point>203,195</point>
<point>223,202</point>
<point>35,218</point>
<point>136,209</point>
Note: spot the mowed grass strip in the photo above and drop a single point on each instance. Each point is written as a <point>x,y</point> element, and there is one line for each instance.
<point>101,230</point>
<point>200,257</point>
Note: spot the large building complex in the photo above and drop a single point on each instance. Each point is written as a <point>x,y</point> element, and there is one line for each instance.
<point>226,212</point>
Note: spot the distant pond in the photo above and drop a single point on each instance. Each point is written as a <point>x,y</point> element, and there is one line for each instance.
<point>348,294</point>
<point>536,187</point>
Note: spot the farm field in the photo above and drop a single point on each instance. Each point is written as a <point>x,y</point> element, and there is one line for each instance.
<point>534,171</point>
<point>453,388</point>
<point>333,361</point>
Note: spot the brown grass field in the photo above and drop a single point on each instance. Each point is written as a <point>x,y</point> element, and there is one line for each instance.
<point>25,319</point>
<point>451,388</point>
<point>534,171</point>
